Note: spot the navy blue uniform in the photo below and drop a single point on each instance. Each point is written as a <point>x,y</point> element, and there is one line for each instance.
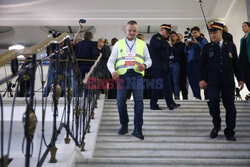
<point>217,68</point>
<point>160,52</point>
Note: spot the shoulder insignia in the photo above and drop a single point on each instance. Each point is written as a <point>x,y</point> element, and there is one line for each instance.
<point>158,38</point>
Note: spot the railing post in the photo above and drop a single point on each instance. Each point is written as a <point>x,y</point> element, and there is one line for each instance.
<point>70,94</point>
<point>30,117</point>
<point>56,95</point>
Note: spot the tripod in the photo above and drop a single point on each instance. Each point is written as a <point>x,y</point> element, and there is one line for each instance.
<point>9,89</point>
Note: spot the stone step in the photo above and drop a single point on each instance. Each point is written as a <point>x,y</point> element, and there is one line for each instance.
<point>150,138</point>
<point>161,162</point>
<point>174,114</point>
<point>173,128</point>
<point>178,119</point>
<point>171,133</point>
<point>174,123</point>
<point>175,146</point>
<point>163,103</point>
<point>183,106</point>
<point>177,101</point>
<point>148,153</point>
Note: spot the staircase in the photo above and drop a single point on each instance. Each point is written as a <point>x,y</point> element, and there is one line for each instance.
<point>172,138</point>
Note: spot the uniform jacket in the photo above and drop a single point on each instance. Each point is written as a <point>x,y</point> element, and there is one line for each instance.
<point>159,52</point>
<point>218,65</point>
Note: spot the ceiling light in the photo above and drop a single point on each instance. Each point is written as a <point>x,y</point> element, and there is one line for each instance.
<point>16,46</point>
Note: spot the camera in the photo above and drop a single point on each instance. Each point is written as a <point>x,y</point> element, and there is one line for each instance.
<point>82,21</point>
<point>188,35</point>
<point>53,32</point>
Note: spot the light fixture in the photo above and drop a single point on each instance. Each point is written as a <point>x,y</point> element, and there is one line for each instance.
<point>17,47</point>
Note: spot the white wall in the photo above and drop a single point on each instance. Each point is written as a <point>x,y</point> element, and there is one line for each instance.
<point>236,15</point>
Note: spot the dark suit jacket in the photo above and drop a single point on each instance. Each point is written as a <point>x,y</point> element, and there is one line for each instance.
<point>218,66</point>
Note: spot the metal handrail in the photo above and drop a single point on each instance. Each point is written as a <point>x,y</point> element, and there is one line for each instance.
<point>8,56</point>
<point>80,105</point>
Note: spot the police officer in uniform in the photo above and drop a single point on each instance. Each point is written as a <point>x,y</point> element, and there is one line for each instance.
<point>160,52</point>
<point>218,65</point>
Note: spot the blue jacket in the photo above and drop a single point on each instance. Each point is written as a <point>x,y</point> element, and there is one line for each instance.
<point>193,51</point>
<point>218,66</point>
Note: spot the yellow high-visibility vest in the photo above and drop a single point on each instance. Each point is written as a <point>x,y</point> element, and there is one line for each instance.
<point>120,66</point>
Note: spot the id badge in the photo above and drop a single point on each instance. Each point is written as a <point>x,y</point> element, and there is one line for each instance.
<point>130,59</point>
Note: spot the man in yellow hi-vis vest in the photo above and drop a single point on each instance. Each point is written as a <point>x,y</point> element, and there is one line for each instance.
<point>127,62</point>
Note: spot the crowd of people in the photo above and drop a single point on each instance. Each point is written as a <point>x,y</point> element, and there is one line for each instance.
<point>170,63</point>
<point>183,62</point>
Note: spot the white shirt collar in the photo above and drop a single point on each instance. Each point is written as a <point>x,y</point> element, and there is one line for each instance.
<point>221,42</point>
<point>129,40</point>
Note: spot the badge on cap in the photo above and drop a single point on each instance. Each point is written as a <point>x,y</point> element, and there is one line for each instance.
<point>230,55</point>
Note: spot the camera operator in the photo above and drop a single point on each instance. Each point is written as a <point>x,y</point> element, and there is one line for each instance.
<point>50,50</point>
<point>193,49</point>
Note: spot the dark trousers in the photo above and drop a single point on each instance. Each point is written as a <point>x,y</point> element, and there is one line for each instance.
<point>227,95</point>
<point>246,73</point>
<point>174,73</point>
<point>130,81</point>
<point>156,92</point>
<point>192,71</point>
<point>84,69</point>
<point>147,90</point>
<point>50,81</point>
<point>183,82</point>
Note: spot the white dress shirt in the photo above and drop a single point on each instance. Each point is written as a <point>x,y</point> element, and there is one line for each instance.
<point>114,55</point>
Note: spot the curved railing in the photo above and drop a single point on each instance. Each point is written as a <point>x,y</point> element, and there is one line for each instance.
<point>78,100</point>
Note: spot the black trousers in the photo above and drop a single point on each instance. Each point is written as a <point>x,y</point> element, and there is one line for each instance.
<point>156,93</point>
<point>227,94</point>
<point>183,83</point>
<point>247,77</point>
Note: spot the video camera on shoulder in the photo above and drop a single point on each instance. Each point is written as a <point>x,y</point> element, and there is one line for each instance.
<point>188,35</point>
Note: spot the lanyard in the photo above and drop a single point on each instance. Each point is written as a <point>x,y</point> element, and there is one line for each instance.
<point>130,48</point>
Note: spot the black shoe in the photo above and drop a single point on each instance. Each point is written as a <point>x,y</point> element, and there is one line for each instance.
<point>214,132</point>
<point>155,108</point>
<point>138,133</point>
<point>173,106</point>
<point>123,130</point>
<point>230,138</point>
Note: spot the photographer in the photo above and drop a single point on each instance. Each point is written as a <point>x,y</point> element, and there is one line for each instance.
<point>176,62</point>
<point>50,50</point>
<point>193,49</point>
